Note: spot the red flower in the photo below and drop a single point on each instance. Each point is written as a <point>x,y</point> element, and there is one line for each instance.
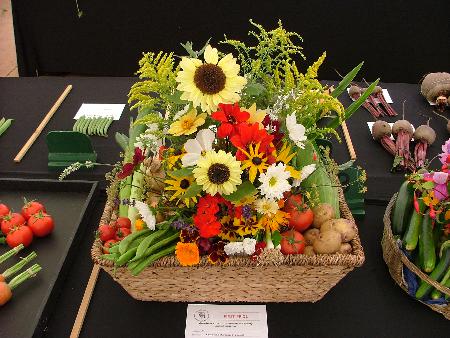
<point>210,230</point>
<point>259,247</point>
<point>129,167</point>
<point>251,134</point>
<point>231,116</point>
<point>208,205</point>
<point>274,128</point>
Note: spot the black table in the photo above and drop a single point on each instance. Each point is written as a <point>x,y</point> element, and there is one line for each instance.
<point>366,303</point>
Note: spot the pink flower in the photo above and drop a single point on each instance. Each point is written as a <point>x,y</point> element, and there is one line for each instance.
<point>440,177</point>
<point>441,192</point>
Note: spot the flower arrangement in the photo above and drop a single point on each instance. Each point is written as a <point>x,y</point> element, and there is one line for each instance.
<point>223,150</point>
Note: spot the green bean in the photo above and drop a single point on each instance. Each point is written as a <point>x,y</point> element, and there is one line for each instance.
<point>2,121</point>
<point>147,242</point>
<point>125,257</point>
<point>83,126</point>
<point>99,127</point>
<point>5,126</point>
<point>124,243</point>
<point>106,127</point>
<point>92,126</point>
<point>111,257</point>
<point>150,259</point>
<point>76,126</point>
<point>161,244</point>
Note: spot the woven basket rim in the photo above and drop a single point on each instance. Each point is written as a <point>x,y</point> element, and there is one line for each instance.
<point>411,266</point>
<point>355,259</point>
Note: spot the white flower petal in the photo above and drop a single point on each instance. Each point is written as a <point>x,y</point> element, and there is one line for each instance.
<point>193,146</point>
<point>205,139</point>
<point>190,159</point>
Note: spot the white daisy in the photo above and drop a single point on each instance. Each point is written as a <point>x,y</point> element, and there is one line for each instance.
<point>196,147</point>
<point>146,214</point>
<point>296,131</point>
<point>266,206</point>
<point>274,182</point>
<point>304,174</point>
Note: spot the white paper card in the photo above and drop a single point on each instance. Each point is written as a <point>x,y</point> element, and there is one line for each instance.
<point>211,321</point>
<point>370,124</point>
<point>386,96</point>
<point>100,110</point>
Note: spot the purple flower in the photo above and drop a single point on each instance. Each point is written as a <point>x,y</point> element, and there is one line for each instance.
<point>441,192</point>
<point>440,177</point>
<point>247,211</point>
<point>180,225</point>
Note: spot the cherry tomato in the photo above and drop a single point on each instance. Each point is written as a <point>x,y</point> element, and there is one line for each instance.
<point>19,235</point>
<point>292,243</point>
<point>41,224</point>
<point>10,221</point>
<point>301,220</point>
<point>31,208</point>
<point>4,210</point>
<point>106,232</point>
<point>123,222</point>
<point>107,245</point>
<point>121,233</point>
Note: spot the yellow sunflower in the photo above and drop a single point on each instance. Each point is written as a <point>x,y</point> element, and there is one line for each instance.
<point>285,156</point>
<point>179,185</point>
<point>174,155</point>
<point>218,172</point>
<point>212,82</point>
<point>256,115</point>
<point>187,124</point>
<point>255,162</point>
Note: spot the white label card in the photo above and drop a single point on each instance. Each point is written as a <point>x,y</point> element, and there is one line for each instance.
<point>100,110</point>
<point>211,321</point>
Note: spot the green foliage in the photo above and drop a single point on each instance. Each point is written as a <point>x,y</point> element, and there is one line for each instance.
<point>243,190</point>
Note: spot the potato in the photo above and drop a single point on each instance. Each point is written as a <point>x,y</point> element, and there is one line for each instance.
<point>346,248</point>
<point>322,213</point>
<point>309,251</point>
<point>327,242</point>
<point>311,235</point>
<point>346,228</point>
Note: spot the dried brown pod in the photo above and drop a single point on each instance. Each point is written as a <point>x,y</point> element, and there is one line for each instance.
<point>435,87</point>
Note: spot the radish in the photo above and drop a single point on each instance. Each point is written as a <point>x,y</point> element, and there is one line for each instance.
<point>6,288</point>
<point>17,267</point>
<point>425,137</point>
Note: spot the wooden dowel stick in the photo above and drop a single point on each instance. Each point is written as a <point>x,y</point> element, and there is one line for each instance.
<point>82,310</point>
<point>348,140</point>
<point>42,125</point>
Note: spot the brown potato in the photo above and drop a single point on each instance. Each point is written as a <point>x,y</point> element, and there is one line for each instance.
<point>327,242</point>
<point>346,228</point>
<point>346,248</point>
<point>322,213</point>
<point>309,251</point>
<point>311,235</point>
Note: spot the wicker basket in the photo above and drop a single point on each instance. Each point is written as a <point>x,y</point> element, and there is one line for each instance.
<point>395,260</point>
<point>299,278</point>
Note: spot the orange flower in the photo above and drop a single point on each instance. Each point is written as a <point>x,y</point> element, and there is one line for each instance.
<point>187,254</point>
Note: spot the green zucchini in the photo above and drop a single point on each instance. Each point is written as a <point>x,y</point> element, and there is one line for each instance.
<point>411,237</point>
<point>439,271</point>
<point>436,294</point>
<point>402,208</point>
<point>426,238</point>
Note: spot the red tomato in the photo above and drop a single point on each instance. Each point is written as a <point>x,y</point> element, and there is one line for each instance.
<point>293,202</point>
<point>301,220</point>
<point>4,210</point>
<point>292,243</point>
<point>123,222</point>
<point>41,224</point>
<point>31,208</point>
<point>107,245</point>
<point>20,235</point>
<point>121,233</point>
<point>10,221</point>
<point>106,232</point>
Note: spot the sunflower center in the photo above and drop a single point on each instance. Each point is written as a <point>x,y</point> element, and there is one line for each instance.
<point>256,161</point>
<point>184,183</point>
<point>272,181</point>
<point>209,78</point>
<point>218,173</point>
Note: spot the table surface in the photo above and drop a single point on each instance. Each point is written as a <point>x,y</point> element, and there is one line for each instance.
<point>365,303</point>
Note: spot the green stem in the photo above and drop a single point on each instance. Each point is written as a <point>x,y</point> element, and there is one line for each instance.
<point>18,266</point>
<point>11,253</point>
<point>19,279</point>
<point>269,239</point>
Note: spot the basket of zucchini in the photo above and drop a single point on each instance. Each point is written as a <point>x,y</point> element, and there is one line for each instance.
<point>416,241</point>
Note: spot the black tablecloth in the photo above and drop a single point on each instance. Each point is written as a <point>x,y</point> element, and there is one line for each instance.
<point>365,303</point>
<point>399,40</point>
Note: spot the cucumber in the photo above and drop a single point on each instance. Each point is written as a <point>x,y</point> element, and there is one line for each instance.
<point>436,294</point>
<point>439,271</point>
<point>402,208</point>
<point>411,237</point>
<point>426,238</point>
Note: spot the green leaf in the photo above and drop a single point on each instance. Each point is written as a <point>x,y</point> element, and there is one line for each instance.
<point>183,172</point>
<point>346,165</point>
<point>428,185</point>
<point>346,81</point>
<point>245,189</point>
<point>354,106</point>
<point>254,89</point>
<point>276,238</point>
<point>176,98</point>
<point>122,140</point>
<point>192,191</point>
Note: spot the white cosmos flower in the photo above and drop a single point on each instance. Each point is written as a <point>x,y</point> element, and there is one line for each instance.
<point>195,147</point>
<point>146,214</point>
<point>304,174</point>
<point>266,207</point>
<point>296,131</point>
<point>274,182</point>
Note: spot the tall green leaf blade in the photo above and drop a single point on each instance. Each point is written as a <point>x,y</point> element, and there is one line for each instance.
<point>346,81</point>
<point>245,189</point>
